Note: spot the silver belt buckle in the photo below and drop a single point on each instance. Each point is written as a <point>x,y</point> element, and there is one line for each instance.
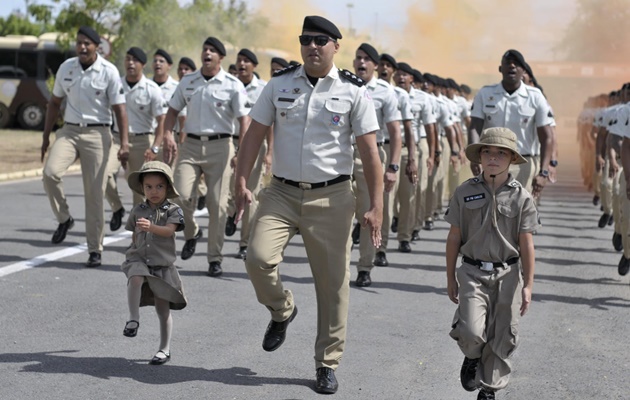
<point>83,124</point>
<point>487,266</point>
<point>305,186</point>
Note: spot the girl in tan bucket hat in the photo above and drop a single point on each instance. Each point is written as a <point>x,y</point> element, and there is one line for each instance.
<point>492,220</point>
<point>149,265</point>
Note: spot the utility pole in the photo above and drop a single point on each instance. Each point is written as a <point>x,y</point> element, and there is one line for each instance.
<point>350,7</point>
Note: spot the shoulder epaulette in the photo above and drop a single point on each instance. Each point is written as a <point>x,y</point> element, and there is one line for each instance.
<point>285,70</point>
<point>350,77</point>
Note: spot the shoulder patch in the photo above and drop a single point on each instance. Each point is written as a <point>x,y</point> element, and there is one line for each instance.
<point>514,184</point>
<point>550,114</point>
<point>286,70</point>
<point>350,77</point>
<point>475,180</point>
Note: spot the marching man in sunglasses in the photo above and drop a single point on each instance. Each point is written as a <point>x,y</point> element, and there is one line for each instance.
<point>314,108</point>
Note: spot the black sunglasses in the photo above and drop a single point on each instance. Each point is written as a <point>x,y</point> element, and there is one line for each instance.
<point>320,40</point>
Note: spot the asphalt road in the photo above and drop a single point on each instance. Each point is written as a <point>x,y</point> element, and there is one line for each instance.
<point>61,324</point>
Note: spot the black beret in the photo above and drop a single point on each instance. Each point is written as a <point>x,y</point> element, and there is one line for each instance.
<point>516,55</point>
<point>90,34</point>
<point>216,43</point>
<point>164,53</point>
<point>249,54</point>
<point>452,84</point>
<point>316,23</point>
<point>441,82</point>
<point>370,51</point>
<point>417,76</point>
<point>430,78</point>
<point>189,62</point>
<point>466,89</point>
<point>389,59</point>
<point>404,67</point>
<point>280,61</point>
<point>138,54</point>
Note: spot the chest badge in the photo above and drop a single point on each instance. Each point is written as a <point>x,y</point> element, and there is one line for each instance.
<point>141,108</point>
<point>98,92</point>
<point>525,120</point>
<point>489,118</point>
<point>219,104</point>
<point>336,119</point>
<point>296,90</point>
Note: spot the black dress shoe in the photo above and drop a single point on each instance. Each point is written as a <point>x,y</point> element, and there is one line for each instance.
<point>611,220</point>
<point>603,220</point>
<point>131,332</point>
<point>230,226</point>
<point>356,233</point>
<point>617,241</point>
<point>428,225</point>
<point>276,332</point>
<point>415,235</point>
<point>394,226</point>
<point>381,259</point>
<point>201,203</point>
<point>595,200</point>
<point>62,229</point>
<point>242,253</point>
<point>468,373</point>
<point>94,260</point>
<point>116,221</point>
<point>363,279</point>
<point>325,382</point>
<point>160,360</point>
<point>214,269</point>
<point>485,394</point>
<point>624,266</point>
<point>404,247</point>
<point>191,244</point>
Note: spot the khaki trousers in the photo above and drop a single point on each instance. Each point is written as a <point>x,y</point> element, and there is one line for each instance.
<point>434,201</point>
<point>212,159</point>
<point>113,166</point>
<point>406,200</point>
<point>254,184</point>
<point>367,251</point>
<point>625,216</point>
<point>389,199</point>
<point>91,145</point>
<point>525,173</point>
<point>597,177</point>
<point>324,218</point>
<point>606,189</point>
<point>423,184</point>
<point>616,198</point>
<point>442,175</point>
<point>486,322</point>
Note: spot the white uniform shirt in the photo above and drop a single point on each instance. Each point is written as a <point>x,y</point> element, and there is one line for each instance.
<point>522,111</point>
<point>168,88</point>
<point>385,104</point>
<point>422,108</point>
<point>91,93</point>
<point>404,106</point>
<point>212,105</point>
<point>622,128</point>
<point>144,102</point>
<point>443,114</point>
<point>254,89</point>
<point>463,107</point>
<point>313,126</point>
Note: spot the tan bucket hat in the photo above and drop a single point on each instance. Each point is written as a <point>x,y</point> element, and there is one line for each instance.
<point>152,166</point>
<point>498,137</point>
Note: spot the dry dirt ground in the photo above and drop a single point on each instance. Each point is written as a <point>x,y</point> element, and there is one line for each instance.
<point>20,150</point>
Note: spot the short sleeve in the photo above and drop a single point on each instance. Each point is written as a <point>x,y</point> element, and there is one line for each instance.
<point>157,102</point>
<point>115,91</point>
<point>177,101</point>
<point>57,88</point>
<point>176,216</point>
<point>391,112</point>
<point>239,101</point>
<point>363,115</point>
<point>405,107</point>
<point>476,110</point>
<point>530,221</point>
<point>544,115</point>
<point>428,116</point>
<point>131,221</point>
<point>452,213</point>
<point>264,112</point>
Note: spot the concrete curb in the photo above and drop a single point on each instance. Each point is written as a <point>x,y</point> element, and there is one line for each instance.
<point>13,176</point>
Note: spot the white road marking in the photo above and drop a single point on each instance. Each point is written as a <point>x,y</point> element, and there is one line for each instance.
<point>68,251</point>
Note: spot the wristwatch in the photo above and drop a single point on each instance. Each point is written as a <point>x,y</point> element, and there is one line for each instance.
<point>553,163</point>
<point>394,167</point>
<point>155,149</point>
<point>454,153</point>
<point>544,173</point>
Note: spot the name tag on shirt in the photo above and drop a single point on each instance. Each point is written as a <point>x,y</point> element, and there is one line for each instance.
<point>474,197</point>
<point>286,99</point>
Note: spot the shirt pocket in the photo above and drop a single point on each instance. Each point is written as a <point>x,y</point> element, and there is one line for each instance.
<point>99,87</point>
<point>143,102</point>
<point>474,212</point>
<point>491,112</point>
<point>287,108</point>
<point>507,210</point>
<point>337,112</point>
<point>220,99</point>
<point>526,114</point>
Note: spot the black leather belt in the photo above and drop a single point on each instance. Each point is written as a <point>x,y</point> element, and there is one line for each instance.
<point>141,134</point>
<point>87,125</point>
<point>208,138</point>
<point>378,144</point>
<point>309,186</point>
<point>480,264</point>
<point>386,141</point>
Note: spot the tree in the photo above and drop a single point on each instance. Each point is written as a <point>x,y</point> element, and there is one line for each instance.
<point>598,32</point>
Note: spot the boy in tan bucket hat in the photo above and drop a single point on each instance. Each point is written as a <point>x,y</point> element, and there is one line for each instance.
<point>492,218</point>
<point>149,265</point>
